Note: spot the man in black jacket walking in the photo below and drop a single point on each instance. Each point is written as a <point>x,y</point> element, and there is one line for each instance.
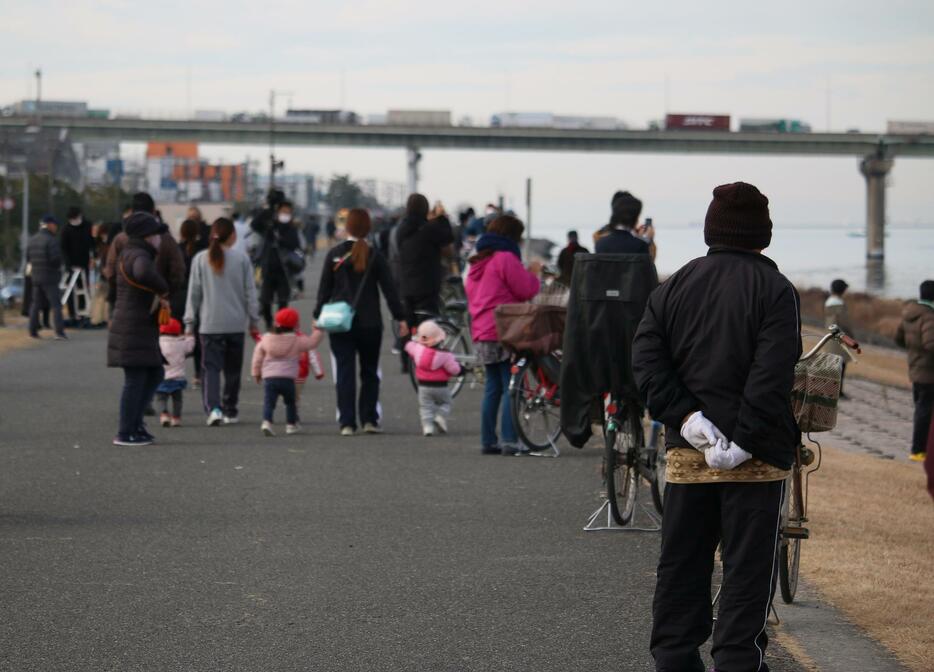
<point>44,255</point>
<point>714,358</point>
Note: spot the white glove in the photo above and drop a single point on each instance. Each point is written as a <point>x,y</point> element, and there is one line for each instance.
<point>701,433</point>
<point>724,458</point>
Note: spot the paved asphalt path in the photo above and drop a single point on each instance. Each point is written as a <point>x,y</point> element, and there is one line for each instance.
<point>218,549</point>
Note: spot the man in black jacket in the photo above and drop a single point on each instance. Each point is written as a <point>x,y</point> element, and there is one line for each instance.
<point>44,256</point>
<point>619,236</point>
<point>279,259</point>
<point>714,358</point>
<point>77,244</point>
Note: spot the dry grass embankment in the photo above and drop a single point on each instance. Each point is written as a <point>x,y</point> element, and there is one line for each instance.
<point>872,317</point>
<point>14,334</point>
<point>872,540</point>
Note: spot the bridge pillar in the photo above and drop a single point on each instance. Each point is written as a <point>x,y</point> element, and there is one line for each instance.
<point>875,168</point>
<point>413,158</point>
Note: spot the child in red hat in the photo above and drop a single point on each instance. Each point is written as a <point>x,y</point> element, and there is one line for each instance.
<point>175,348</point>
<point>276,365</point>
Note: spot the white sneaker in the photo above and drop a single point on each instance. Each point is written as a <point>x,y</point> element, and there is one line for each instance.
<point>266,428</point>
<point>347,431</point>
<point>428,431</point>
<point>231,420</point>
<point>215,418</point>
<point>441,424</point>
<point>293,429</point>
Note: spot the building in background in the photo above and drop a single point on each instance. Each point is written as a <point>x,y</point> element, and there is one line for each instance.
<point>175,173</point>
<point>100,161</point>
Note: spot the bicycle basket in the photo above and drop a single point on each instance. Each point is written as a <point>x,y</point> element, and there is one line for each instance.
<point>527,327</point>
<point>816,392</point>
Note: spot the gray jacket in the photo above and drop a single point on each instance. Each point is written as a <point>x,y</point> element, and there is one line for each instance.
<point>225,302</point>
<point>44,254</point>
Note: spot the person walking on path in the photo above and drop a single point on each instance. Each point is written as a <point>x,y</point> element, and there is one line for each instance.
<point>714,358</point>
<point>496,276</point>
<point>222,302</point>
<point>566,258</point>
<point>434,367</point>
<point>175,348</point>
<point>421,245</point>
<point>276,365</point>
<point>278,258</point>
<point>353,269</point>
<point>44,256</point>
<point>835,313</point>
<point>916,334</point>
<point>133,341</point>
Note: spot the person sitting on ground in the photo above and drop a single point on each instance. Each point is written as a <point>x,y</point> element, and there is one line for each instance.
<point>566,258</point>
<point>835,313</point>
<point>275,365</point>
<point>496,276</point>
<point>434,367</point>
<point>916,334</point>
<point>714,357</point>
<point>623,235</point>
<point>175,349</point>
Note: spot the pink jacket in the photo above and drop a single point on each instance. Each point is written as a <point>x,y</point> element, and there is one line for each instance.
<point>276,355</point>
<point>175,349</point>
<point>432,365</point>
<point>492,282</point>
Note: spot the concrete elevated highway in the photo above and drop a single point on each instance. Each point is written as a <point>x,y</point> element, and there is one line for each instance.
<point>876,152</point>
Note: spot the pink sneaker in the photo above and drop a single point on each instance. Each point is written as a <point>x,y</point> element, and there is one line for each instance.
<point>176,422</point>
<point>164,420</point>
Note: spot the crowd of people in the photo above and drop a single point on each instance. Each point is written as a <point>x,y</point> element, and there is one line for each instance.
<point>713,357</point>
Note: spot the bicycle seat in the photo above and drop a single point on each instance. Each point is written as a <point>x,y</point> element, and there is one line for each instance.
<point>455,306</point>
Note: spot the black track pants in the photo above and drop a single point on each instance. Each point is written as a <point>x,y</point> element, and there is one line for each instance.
<point>744,517</point>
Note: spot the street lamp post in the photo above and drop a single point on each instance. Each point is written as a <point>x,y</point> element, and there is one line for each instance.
<point>273,164</point>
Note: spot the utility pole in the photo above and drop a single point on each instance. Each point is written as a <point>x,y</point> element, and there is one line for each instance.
<point>273,164</point>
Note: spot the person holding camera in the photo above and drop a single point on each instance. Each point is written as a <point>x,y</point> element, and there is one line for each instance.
<point>280,256</point>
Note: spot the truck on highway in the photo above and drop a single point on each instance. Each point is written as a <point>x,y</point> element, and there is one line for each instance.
<point>697,122</point>
<point>773,126</point>
<point>334,117</point>
<point>523,120</point>
<point>911,127</point>
<point>418,118</point>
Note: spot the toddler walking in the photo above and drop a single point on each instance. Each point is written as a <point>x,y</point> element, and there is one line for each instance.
<point>275,365</point>
<point>175,348</point>
<point>433,369</point>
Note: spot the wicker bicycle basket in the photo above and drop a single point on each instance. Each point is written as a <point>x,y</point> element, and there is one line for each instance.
<point>816,392</point>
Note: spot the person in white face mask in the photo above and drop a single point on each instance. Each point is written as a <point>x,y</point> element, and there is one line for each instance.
<point>77,244</point>
<point>280,259</point>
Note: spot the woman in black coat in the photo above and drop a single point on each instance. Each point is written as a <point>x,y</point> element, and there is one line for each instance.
<point>347,266</point>
<point>133,341</point>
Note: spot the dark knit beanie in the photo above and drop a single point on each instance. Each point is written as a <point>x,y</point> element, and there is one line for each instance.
<point>626,209</point>
<point>141,225</point>
<point>738,216</point>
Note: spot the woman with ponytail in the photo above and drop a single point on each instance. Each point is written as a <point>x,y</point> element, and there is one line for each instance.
<point>356,273</point>
<point>222,303</point>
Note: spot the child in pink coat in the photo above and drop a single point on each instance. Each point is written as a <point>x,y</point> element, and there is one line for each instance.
<point>175,348</point>
<point>276,366</point>
<point>433,369</point>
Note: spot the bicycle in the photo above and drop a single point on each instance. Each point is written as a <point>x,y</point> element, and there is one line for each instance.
<point>794,506</point>
<point>535,400</point>
<point>627,458</point>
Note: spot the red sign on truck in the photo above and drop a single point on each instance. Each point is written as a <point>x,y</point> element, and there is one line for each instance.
<point>697,122</point>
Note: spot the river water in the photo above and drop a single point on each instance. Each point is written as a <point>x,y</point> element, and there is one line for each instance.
<point>814,256</point>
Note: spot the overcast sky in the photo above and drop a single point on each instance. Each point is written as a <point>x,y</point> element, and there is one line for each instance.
<point>860,63</point>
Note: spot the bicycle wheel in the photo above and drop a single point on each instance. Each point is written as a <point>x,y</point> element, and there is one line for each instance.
<point>454,342</point>
<point>622,476</point>
<point>535,413</point>
<point>659,462</point>
<point>790,550</point>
